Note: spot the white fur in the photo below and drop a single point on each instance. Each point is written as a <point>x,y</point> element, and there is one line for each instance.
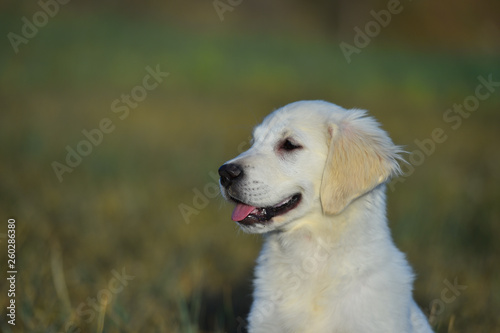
<point>329,265</point>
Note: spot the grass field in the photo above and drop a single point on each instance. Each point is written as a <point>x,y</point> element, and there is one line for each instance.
<point>108,250</point>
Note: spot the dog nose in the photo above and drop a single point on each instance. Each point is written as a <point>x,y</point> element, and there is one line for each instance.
<point>228,173</point>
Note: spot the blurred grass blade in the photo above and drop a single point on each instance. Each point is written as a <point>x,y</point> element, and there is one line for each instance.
<point>56,266</point>
<point>102,314</point>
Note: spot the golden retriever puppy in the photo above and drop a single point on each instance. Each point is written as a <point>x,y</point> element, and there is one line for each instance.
<point>313,183</point>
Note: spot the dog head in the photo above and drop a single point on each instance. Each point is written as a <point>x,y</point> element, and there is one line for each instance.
<point>308,157</point>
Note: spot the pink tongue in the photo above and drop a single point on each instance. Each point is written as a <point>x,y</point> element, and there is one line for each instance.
<point>241,211</point>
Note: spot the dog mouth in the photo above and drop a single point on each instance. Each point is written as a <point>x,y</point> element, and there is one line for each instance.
<point>248,215</point>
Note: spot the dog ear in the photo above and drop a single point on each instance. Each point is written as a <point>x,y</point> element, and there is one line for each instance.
<point>360,156</point>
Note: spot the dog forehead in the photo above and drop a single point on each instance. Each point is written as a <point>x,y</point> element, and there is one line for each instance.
<point>269,130</point>
<point>296,118</point>
<point>276,129</point>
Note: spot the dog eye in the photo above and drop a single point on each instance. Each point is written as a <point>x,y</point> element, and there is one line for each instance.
<point>289,145</point>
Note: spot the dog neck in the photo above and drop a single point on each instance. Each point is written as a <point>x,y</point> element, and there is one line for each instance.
<point>363,223</point>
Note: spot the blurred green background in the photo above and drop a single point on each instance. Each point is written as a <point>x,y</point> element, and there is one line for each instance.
<point>120,211</point>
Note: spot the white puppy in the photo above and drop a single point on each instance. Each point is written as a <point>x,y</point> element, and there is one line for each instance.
<point>313,183</point>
